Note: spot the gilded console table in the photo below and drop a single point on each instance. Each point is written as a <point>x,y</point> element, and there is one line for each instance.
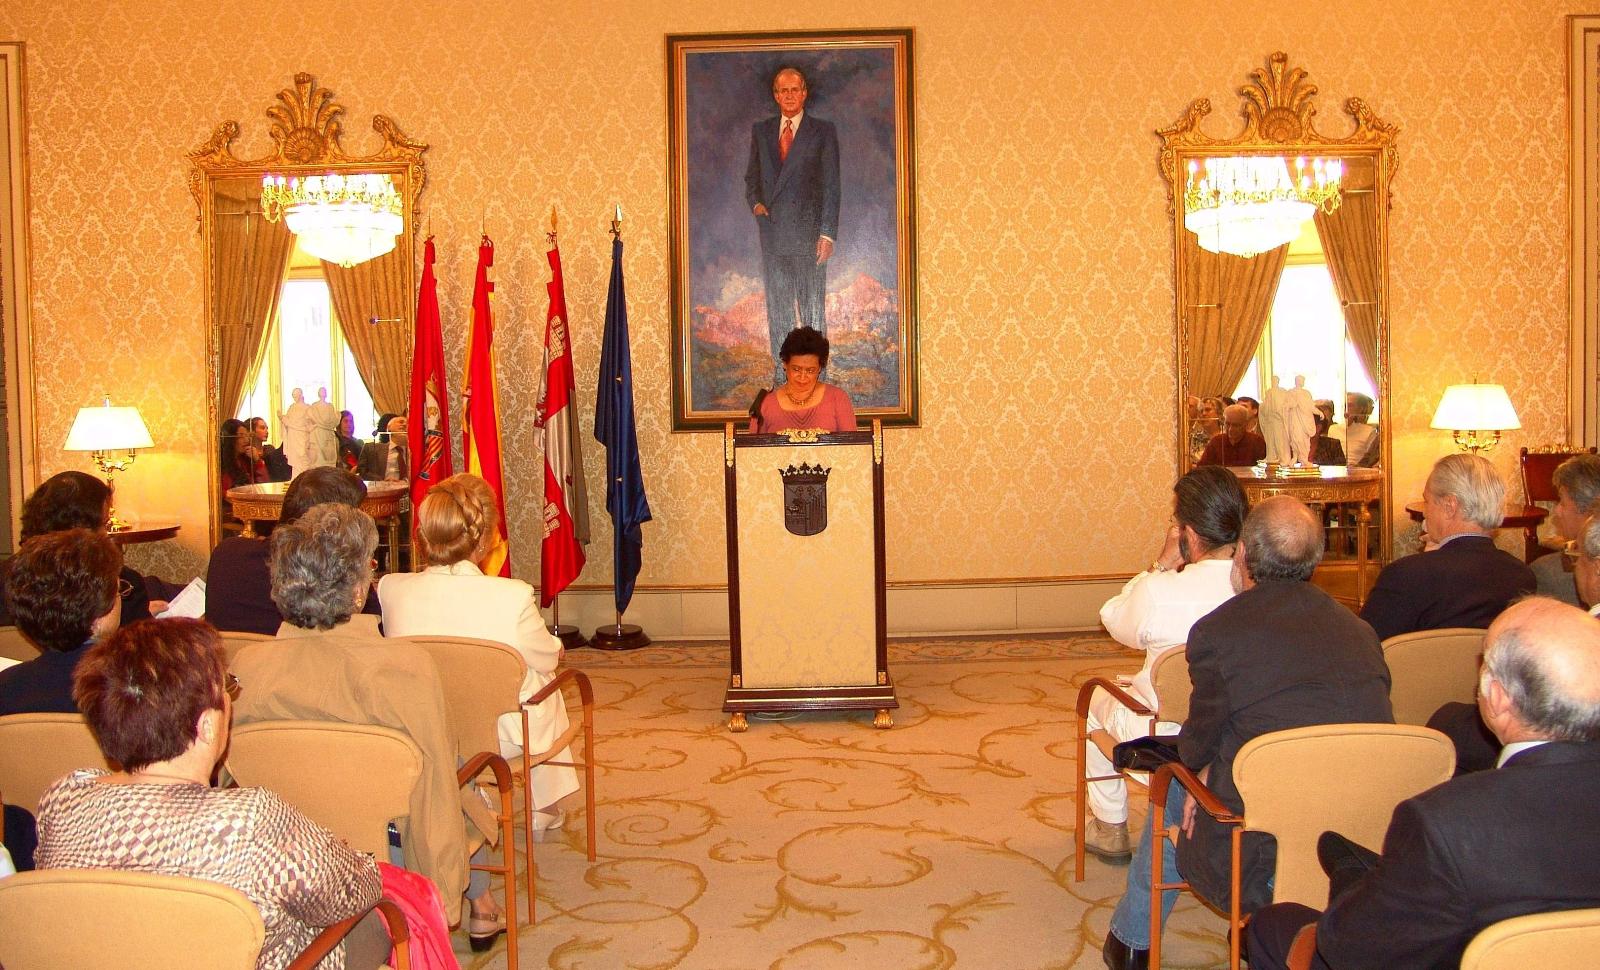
<point>264,503</point>
<point>1332,485</point>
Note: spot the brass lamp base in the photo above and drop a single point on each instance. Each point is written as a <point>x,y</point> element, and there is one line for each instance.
<point>1476,442</point>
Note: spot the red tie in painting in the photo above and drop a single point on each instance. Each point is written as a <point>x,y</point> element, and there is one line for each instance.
<point>785,139</point>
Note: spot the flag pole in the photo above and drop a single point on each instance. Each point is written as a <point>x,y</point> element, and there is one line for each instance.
<point>620,636</point>
<point>570,636</point>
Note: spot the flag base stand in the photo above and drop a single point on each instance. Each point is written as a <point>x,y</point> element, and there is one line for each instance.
<point>619,636</point>
<point>569,636</point>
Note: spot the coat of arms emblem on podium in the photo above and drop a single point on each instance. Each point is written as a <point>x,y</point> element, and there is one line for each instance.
<point>805,498</point>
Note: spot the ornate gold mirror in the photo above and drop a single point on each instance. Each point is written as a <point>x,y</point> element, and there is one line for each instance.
<point>350,335</point>
<point>1280,247</point>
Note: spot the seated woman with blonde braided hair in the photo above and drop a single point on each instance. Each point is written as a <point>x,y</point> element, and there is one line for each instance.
<point>456,532</point>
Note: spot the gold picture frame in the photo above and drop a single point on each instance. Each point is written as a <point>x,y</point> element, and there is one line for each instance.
<point>721,112</point>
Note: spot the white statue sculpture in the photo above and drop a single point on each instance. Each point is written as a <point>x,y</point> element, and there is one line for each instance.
<point>1302,426</point>
<point>1274,422</point>
<point>297,433</point>
<point>324,431</point>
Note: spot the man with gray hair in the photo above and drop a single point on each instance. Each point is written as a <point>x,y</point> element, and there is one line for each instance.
<point>1484,847</point>
<point>1577,482</point>
<point>1466,581</point>
<point>1586,570</point>
<point>1281,654</point>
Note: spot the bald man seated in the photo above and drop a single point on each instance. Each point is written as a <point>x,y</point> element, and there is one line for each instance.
<point>1235,444</point>
<point>1484,847</point>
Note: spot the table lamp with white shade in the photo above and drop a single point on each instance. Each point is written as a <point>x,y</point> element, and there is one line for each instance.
<point>1476,413</point>
<point>103,430</point>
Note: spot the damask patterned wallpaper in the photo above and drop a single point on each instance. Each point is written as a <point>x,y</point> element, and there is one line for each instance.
<point>1045,270</point>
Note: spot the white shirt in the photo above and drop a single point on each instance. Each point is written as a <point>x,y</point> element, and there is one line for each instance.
<point>1515,748</point>
<point>1155,610</point>
<point>794,123</point>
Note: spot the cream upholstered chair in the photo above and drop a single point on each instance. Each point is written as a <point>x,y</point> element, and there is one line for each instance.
<point>354,779</point>
<point>15,646</point>
<point>1568,940</point>
<point>37,749</point>
<point>1170,677</point>
<point>1431,667</point>
<point>235,640</point>
<point>98,919</point>
<point>481,680</point>
<point>1297,784</point>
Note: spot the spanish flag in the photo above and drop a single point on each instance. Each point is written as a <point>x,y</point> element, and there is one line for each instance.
<point>480,433</point>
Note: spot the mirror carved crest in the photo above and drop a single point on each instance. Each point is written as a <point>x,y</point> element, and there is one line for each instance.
<point>1279,109</point>
<point>305,129</point>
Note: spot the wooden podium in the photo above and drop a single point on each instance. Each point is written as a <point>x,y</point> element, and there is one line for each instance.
<point>806,574</point>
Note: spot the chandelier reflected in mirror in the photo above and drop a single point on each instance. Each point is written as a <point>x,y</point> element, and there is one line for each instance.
<point>343,219</point>
<point>1249,204</point>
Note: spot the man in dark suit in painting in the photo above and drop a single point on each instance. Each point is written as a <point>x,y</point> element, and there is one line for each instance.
<point>792,187</point>
<point>1484,847</point>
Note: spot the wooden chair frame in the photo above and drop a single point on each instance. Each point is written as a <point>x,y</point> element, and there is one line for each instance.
<point>1105,742</point>
<point>507,869</point>
<point>525,765</point>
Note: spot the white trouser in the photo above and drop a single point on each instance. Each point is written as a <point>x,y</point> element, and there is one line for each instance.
<point>1108,800</point>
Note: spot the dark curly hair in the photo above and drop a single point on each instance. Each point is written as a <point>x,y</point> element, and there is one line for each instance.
<point>802,341</point>
<point>69,500</point>
<point>59,583</point>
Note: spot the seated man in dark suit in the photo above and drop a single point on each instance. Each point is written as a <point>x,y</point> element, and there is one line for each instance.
<point>1281,654</point>
<point>1235,444</point>
<point>1465,581</point>
<point>1477,749</point>
<point>388,458</point>
<point>1489,846</point>
<point>238,589</point>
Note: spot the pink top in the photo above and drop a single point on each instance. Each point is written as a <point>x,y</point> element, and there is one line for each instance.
<point>833,413</point>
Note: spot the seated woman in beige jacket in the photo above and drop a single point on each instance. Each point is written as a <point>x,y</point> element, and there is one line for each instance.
<point>329,663</point>
<point>456,531</point>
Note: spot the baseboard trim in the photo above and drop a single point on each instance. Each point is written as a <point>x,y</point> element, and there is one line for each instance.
<point>940,608</point>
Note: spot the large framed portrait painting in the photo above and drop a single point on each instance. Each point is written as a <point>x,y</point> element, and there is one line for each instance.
<point>792,205</point>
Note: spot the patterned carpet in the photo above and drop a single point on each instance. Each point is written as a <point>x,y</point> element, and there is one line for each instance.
<point>821,842</point>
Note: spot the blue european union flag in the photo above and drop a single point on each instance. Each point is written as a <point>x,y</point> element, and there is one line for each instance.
<point>614,429</point>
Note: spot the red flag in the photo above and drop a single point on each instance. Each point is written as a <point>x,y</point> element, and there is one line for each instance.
<point>430,417</point>
<point>480,433</point>
<point>566,508</point>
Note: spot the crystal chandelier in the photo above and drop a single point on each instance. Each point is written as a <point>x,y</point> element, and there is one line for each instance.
<point>344,219</point>
<point>1246,205</point>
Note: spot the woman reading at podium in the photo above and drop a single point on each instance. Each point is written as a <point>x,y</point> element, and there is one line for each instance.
<point>803,401</point>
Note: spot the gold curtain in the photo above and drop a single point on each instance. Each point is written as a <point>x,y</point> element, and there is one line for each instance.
<point>1227,300</point>
<point>251,256</point>
<point>376,289</point>
<point>1350,243</point>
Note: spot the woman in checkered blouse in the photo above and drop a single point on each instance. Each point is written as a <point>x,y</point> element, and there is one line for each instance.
<point>159,701</point>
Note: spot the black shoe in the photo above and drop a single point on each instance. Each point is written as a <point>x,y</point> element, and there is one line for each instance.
<point>1120,956</point>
